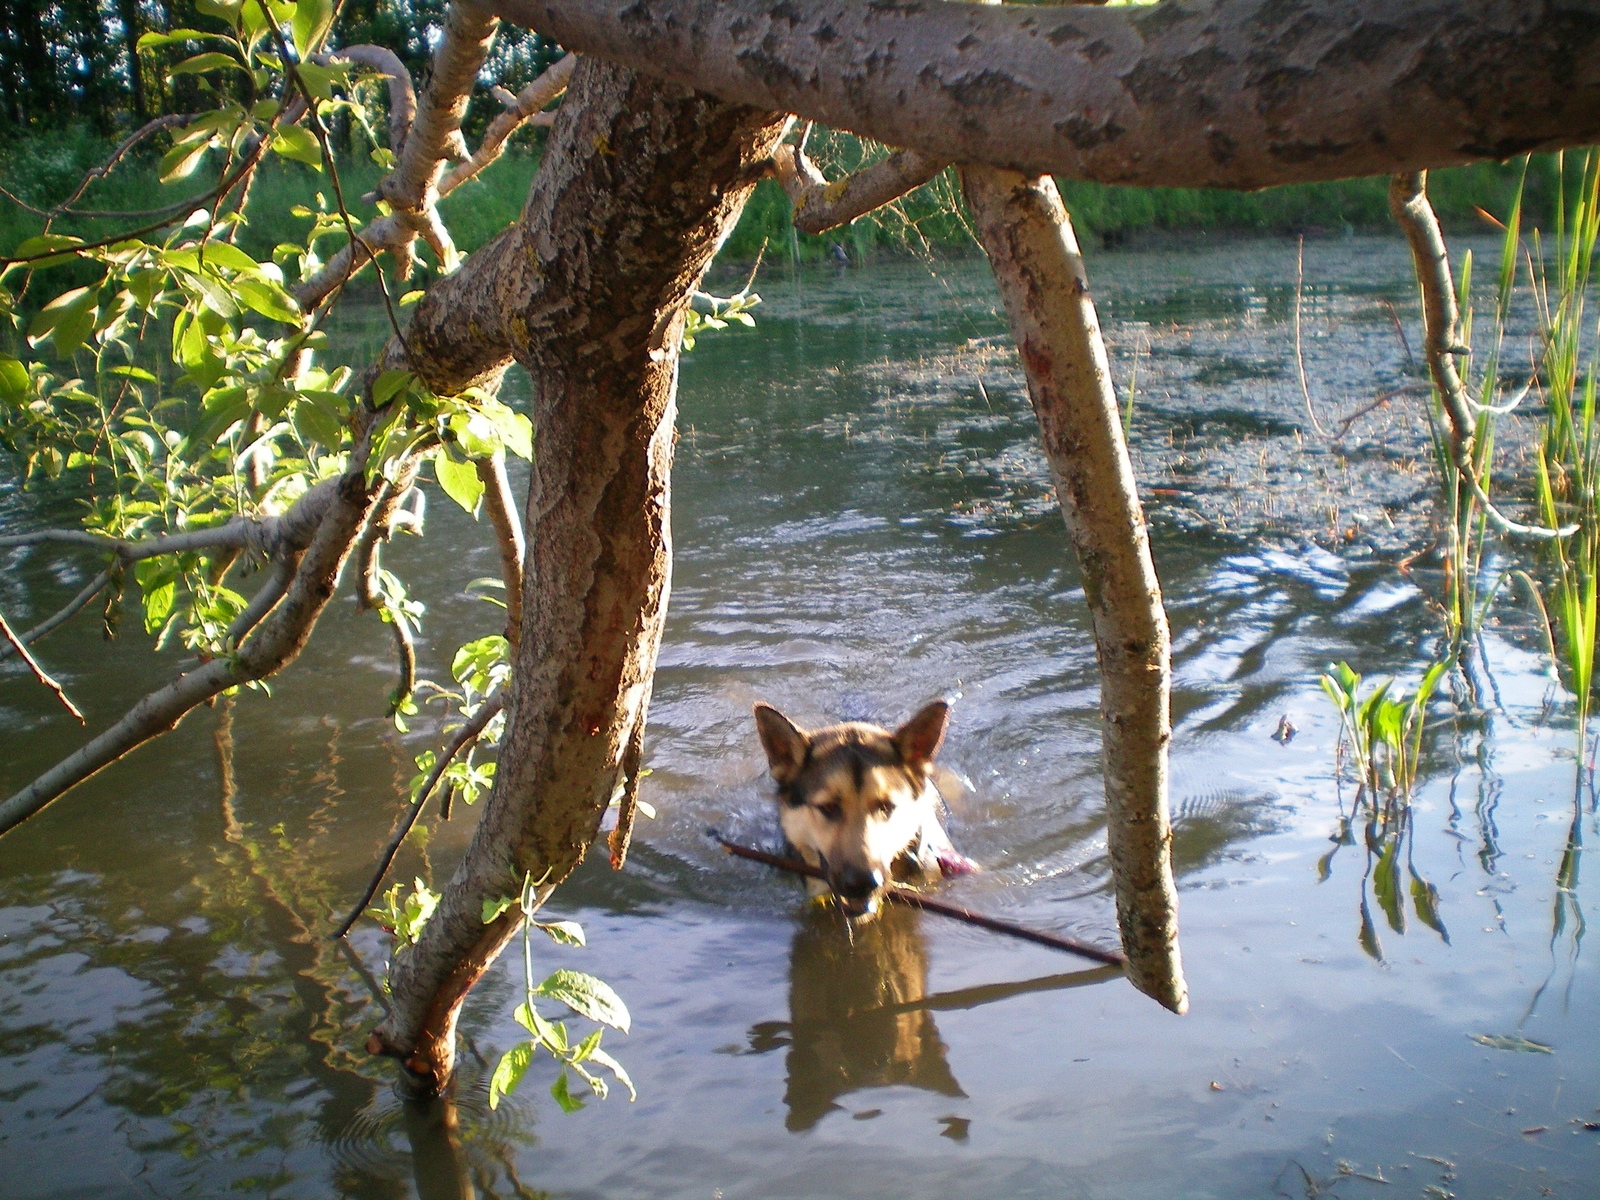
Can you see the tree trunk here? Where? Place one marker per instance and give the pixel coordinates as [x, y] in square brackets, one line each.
[640, 183]
[1185, 93]
[1029, 240]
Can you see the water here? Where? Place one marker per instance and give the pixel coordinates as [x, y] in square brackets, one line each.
[861, 527]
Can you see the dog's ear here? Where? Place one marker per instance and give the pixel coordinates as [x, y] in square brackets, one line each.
[784, 741]
[918, 740]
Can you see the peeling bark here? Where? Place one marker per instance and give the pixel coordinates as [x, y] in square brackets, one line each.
[1029, 240]
[1185, 93]
[640, 183]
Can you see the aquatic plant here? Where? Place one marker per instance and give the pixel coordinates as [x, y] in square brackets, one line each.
[583, 994]
[1383, 729]
[1569, 457]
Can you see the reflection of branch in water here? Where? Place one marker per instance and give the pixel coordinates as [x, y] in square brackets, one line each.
[1565, 903]
[440, 1168]
[987, 993]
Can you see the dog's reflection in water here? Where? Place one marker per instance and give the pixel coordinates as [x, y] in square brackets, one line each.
[856, 1017]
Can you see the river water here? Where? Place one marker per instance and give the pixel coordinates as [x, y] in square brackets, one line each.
[863, 524]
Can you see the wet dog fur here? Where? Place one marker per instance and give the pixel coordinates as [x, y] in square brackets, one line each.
[859, 802]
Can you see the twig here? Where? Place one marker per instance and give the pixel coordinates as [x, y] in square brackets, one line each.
[1441, 320]
[509, 540]
[67, 612]
[916, 899]
[469, 732]
[264, 601]
[1299, 359]
[820, 205]
[39, 672]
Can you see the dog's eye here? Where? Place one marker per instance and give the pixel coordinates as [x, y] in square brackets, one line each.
[831, 810]
[884, 808]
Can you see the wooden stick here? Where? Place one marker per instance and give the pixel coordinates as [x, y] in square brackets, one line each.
[916, 899]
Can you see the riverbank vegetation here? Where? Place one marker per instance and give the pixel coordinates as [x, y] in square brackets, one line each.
[38, 169]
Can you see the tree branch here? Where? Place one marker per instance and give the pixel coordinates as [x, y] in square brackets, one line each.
[468, 733]
[39, 672]
[1441, 342]
[69, 610]
[527, 105]
[1204, 93]
[820, 206]
[463, 49]
[402, 92]
[1037, 265]
[502, 510]
[328, 518]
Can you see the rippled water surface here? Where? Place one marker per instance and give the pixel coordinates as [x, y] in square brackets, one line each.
[862, 524]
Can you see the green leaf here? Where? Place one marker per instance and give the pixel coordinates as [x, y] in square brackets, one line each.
[311, 21]
[605, 1060]
[14, 383]
[587, 996]
[211, 60]
[268, 299]
[158, 604]
[493, 908]
[319, 81]
[298, 144]
[222, 254]
[568, 933]
[387, 385]
[459, 480]
[154, 41]
[508, 1072]
[563, 1094]
[181, 160]
[316, 421]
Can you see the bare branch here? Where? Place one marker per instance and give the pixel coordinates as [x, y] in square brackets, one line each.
[270, 537]
[470, 732]
[820, 206]
[525, 106]
[69, 610]
[263, 602]
[1441, 342]
[502, 510]
[378, 529]
[1205, 93]
[468, 32]
[402, 92]
[627, 803]
[39, 672]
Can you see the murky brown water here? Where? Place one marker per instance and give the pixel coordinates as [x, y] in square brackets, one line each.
[860, 527]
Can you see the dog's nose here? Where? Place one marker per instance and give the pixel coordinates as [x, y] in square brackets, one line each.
[853, 883]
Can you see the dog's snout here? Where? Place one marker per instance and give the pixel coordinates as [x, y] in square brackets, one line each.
[855, 883]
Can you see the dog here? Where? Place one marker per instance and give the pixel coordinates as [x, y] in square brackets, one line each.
[859, 802]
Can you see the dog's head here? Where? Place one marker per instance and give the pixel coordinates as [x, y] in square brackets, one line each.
[853, 796]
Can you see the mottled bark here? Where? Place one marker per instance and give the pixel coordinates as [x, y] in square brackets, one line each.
[1029, 240]
[1185, 93]
[640, 183]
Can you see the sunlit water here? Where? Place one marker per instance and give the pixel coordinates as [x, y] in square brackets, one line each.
[862, 525]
